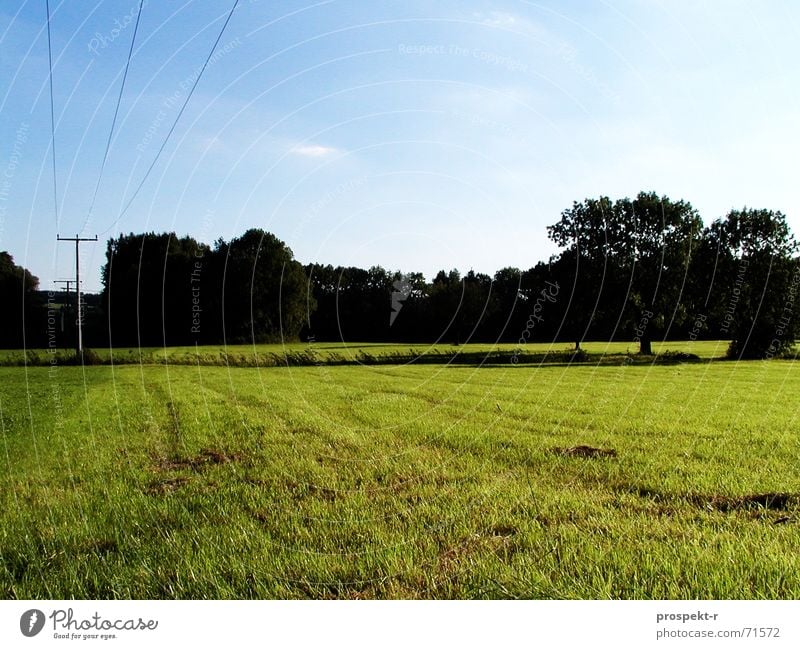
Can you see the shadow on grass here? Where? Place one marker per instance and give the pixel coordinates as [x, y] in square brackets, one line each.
[358, 356]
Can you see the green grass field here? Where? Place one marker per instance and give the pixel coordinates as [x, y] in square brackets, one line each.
[402, 481]
[309, 354]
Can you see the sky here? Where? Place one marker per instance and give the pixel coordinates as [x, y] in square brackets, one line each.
[414, 135]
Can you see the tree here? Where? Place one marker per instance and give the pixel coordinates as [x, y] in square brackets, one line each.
[354, 304]
[758, 284]
[504, 314]
[665, 235]
[446, 294]
[149, 289]
[17, 292]
[631, 257]
[592, 266]
[263, 290]
[583, 280]
[409, 295]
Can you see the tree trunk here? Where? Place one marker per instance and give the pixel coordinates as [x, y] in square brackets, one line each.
[645, 346]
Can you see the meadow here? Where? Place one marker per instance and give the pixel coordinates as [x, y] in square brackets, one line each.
[318, 353]
[598, 480]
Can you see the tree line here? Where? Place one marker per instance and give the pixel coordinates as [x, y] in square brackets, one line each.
[640, 270]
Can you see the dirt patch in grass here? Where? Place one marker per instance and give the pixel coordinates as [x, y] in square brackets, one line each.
[771, 501]
[503, 531]
[783, 520]
[585, 451]
[754, 503]
[498, 540]
[166, 486]
[324, 493]
[204, 459]
[263, 516]
[299, 491]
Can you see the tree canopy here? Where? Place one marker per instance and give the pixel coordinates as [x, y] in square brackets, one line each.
[639, 269]
[17, 289]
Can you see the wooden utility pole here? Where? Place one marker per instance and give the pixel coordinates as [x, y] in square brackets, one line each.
[77, 239]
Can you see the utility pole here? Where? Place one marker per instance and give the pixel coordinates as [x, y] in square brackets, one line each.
[67, 282]
[77, 239]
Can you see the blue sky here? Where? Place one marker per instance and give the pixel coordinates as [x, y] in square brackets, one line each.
[416, 135]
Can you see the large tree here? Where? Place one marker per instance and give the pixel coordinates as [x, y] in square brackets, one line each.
[630, 258]
[262, 288]
[17, 292]
[148, 289]
[757, 285]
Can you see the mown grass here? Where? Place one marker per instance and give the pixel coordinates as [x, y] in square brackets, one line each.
[313, 353]
[399, 481]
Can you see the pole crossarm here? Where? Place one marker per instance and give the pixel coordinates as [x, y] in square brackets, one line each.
[68, 282]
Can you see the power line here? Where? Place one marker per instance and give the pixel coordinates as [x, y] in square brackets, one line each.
[177, 118]
[116, 113]
[52, 113]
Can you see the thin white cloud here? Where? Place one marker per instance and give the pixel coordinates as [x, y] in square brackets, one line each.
[314, 150]
[497, 19]
[513, 23]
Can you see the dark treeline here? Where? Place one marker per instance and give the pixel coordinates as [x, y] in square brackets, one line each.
[641, 270]
[22, 305]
